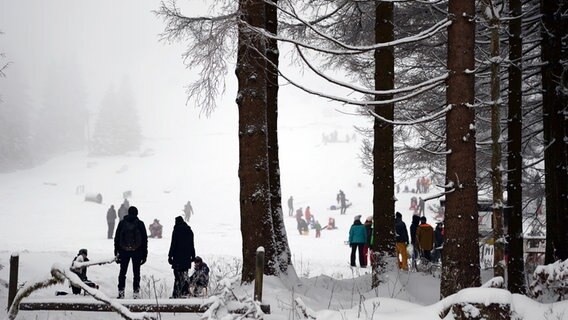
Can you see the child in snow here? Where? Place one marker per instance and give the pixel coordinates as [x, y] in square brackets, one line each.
[81, 271]
[199, 280]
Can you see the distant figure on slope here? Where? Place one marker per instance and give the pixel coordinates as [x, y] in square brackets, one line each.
[155, 229]
[126, 204]
[111, 218]
[81, 271]
[303, 227]
[331, 224]
[199, 280]
[425, 238]
[357, 240]
[317, 226]
[291, 206]
[180, 256]
[401, 241]
[188, 211]
[342, 201]
[130, 243]
[421, 205]
[122, 212]
[308, 215]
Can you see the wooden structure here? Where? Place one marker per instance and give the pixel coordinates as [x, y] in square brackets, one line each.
[194, 305]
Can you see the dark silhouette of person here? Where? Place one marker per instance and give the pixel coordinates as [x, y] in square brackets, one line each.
[130, 243]
[290, 206]
[111, 218]
[180, 256]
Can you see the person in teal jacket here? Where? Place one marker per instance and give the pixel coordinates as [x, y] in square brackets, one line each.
[357, 240]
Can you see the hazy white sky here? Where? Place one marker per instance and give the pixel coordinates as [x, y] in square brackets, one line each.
[106, 41]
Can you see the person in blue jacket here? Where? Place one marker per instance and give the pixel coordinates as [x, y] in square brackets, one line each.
[357, 240]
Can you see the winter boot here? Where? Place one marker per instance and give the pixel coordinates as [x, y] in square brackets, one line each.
[120, 294]
[136, 295]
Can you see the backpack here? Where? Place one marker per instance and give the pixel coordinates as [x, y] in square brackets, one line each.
[130, 237]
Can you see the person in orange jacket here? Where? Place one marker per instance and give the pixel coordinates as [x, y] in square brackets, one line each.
[425, 238]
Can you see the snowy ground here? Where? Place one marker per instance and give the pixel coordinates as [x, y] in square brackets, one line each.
[46, 220]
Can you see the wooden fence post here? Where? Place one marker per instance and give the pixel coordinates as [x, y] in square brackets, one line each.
[259, 272]
[13, 286]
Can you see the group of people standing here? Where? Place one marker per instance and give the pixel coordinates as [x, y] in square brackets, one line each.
[423, 238]
[131, 244]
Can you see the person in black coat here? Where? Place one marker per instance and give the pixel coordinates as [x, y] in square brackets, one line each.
[130, 243]
[413, 227]
[180, 256]
[401, 241]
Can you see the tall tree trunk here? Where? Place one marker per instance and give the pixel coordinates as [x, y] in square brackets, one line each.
[256, 218]
[515, 268]
[461, 247]
[556, 151]
[383, 170]
[496, 174]
[282, 249]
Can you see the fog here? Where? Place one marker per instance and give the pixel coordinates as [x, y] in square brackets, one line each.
[69, 59]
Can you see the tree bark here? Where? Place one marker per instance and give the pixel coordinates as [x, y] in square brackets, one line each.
[256, 218]
[461, 246]
[515, 268]
[383, 154]
[282, 248]
[555, 128]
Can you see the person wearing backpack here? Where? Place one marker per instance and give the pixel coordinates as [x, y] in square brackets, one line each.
[130, 243]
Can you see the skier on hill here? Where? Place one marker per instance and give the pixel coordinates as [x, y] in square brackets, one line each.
[342, 201]
[130, 243]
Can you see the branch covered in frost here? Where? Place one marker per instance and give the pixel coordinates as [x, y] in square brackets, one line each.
[28, 288]
[427, 83]
[79, 265]
[348, 49]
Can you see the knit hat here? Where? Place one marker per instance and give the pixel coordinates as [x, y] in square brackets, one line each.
[133, 211]
[369, 219]
[179, 220]
[357, 217]
[398, 214]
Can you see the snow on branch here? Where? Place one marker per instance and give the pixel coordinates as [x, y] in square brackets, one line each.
[78, 265]
[426, 118]
[348, 49]
[553, 277]
[365, 103]
[437, 80]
